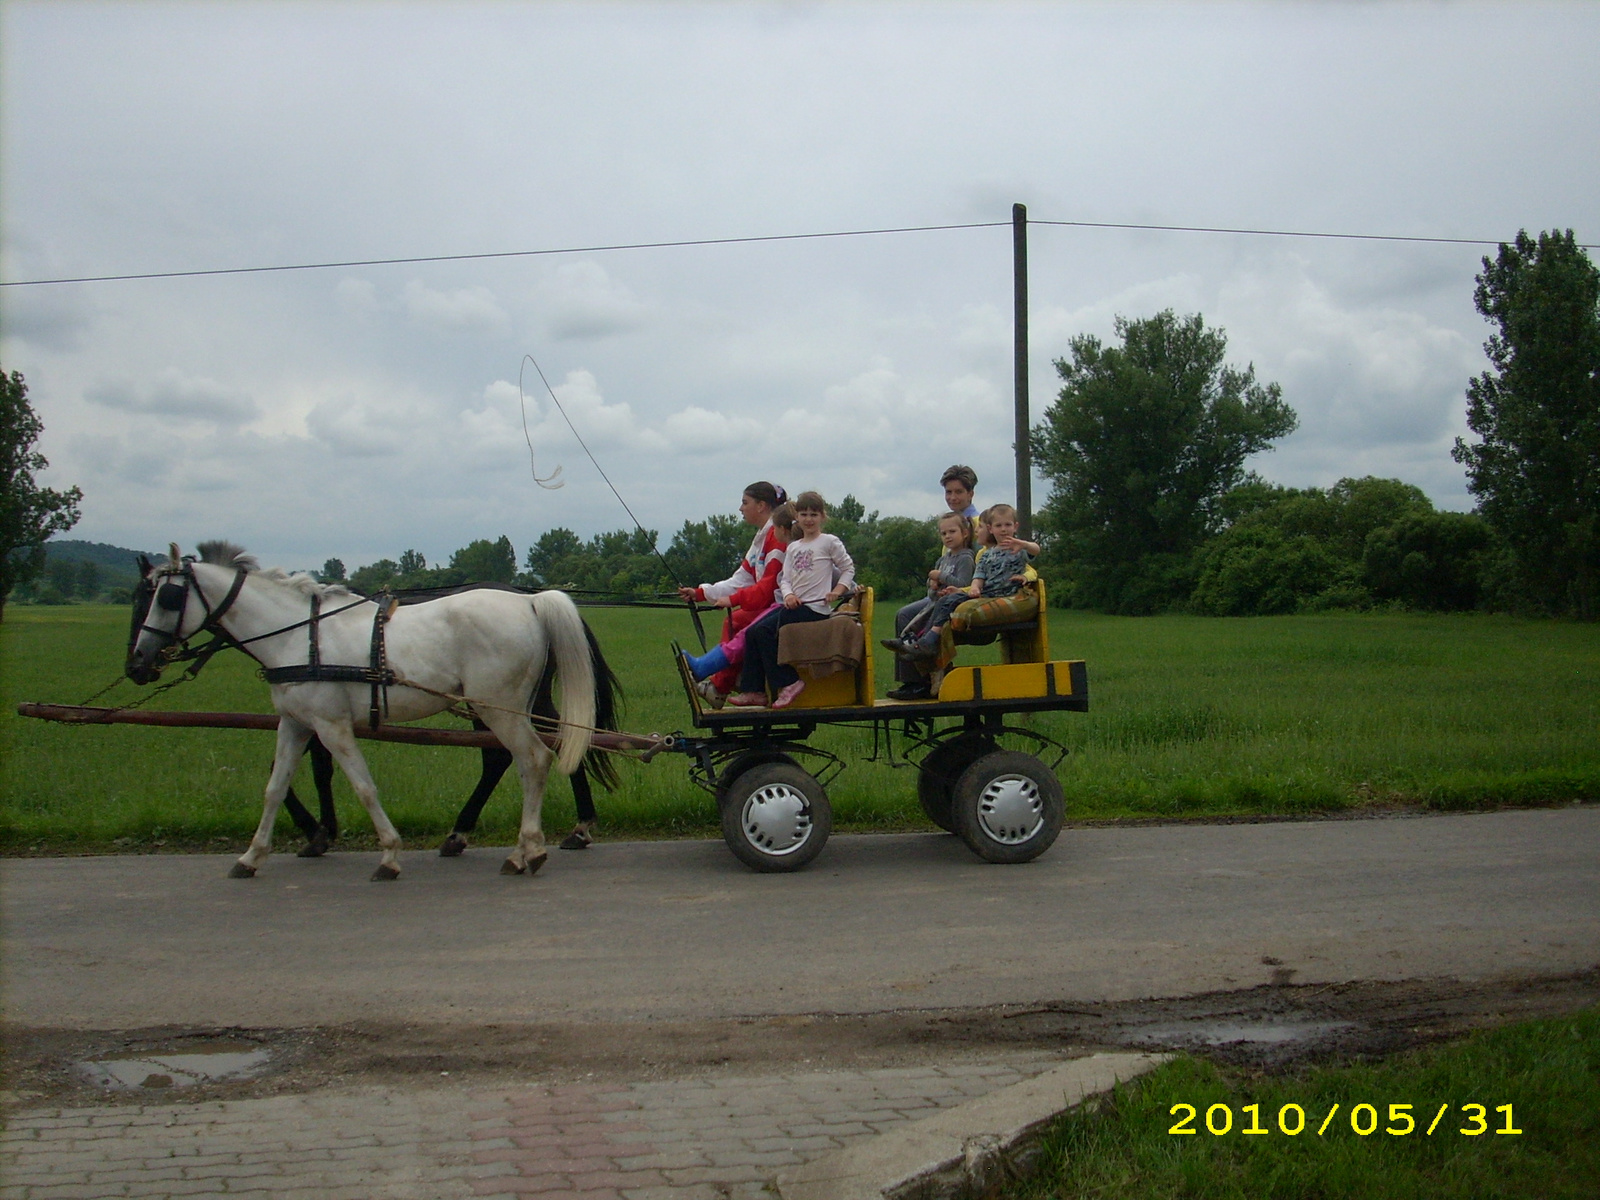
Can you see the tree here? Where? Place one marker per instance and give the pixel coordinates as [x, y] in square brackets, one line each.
[849, 510]
[1359, 542]
[332, 571]
[553, 546]
[484, 561]
[1536, 471]
[29, 514]
[370, 579]
[709, 550]
[1431, 560]
[1142, 443]
[412, 563]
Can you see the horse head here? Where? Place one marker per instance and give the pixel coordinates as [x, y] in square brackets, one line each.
[160, 606]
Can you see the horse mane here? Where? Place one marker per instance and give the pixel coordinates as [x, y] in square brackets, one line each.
[227, 554]
[230, 554]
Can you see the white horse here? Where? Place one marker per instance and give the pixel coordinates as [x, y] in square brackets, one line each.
[487, 646]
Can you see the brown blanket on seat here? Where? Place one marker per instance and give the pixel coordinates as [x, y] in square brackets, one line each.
[822, 647]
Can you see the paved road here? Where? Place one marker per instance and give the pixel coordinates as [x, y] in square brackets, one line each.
[680, 930]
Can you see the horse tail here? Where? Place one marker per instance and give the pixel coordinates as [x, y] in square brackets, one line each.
[607, 707]
[564, 631]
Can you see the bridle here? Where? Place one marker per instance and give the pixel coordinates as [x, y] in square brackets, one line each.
[171, 594]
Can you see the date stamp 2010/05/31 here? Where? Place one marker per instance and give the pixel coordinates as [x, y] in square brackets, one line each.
[1364, 1120]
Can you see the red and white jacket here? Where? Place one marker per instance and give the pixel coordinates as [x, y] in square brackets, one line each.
[753, 584]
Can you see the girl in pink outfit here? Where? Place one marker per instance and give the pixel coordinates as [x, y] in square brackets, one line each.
[748, 592]
[723, 660]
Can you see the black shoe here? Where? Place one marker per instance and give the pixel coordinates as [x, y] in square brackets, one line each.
[894, 644]
[912, 691]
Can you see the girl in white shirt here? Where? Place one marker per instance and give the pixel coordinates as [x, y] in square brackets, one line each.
[817, 569]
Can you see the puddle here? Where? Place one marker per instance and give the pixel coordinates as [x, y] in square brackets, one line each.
[177, 1070]
[1223, 1033]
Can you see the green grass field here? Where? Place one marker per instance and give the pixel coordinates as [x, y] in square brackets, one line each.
[1190, 717]
[1420, 1139]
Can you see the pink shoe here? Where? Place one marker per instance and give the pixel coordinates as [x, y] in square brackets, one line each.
[787, 695]
[748, 699]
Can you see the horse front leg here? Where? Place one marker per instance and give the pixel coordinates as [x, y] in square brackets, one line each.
[533, 759]
[292, 739]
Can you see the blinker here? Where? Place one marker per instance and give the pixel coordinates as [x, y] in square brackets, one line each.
[171, 596]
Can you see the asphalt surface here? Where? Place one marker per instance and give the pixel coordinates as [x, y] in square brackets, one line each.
[674, 930]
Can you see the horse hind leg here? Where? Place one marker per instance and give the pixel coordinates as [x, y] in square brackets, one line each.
[320, 833]
[533, 759]
[582, 835]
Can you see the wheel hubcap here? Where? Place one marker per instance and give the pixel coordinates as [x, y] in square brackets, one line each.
[1011, 810]
[776, 819]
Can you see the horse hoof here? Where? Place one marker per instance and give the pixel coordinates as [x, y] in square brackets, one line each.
[385, 873]
[535, 863]
[576, 840]
[240, 871]
[509, 867]
[453, 846]
[316, 847]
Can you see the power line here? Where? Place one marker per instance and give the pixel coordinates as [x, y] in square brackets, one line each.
[433, 258]
[1289, 233]
[775, 237]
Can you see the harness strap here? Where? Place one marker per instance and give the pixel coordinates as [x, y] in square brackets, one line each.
[213, 615]
[377, 674]
[380, 663]
[313, 632]
[327, 673]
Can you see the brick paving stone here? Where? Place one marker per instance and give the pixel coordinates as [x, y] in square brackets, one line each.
[717, 1138]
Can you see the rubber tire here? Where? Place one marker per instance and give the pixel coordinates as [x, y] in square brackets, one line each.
[938, 771]
[1023, 781]
[743, 763]
[787, 781]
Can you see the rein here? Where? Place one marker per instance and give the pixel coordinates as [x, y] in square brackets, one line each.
[177, 649]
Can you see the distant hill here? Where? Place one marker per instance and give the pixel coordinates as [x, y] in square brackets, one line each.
[116, 561]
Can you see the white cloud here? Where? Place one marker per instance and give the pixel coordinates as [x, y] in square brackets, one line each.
[357, 297]
[464, 310]
[355, 428]
[175, 397]
[1362, 378]
[580, 301]
[699, 431]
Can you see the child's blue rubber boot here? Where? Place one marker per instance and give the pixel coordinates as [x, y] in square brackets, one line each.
[708, 664]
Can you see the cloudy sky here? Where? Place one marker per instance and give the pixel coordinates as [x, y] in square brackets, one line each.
[359, 411]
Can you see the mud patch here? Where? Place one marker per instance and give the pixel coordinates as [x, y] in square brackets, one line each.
[1272, 1027]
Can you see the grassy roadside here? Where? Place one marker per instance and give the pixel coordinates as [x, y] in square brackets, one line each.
[1548, 1072]
[1190, 717]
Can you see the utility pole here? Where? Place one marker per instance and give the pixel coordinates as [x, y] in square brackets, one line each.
[1019, 275]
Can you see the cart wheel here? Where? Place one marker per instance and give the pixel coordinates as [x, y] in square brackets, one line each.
[938, 771]
[743, 763]
[775, 817]
[1008, 807]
